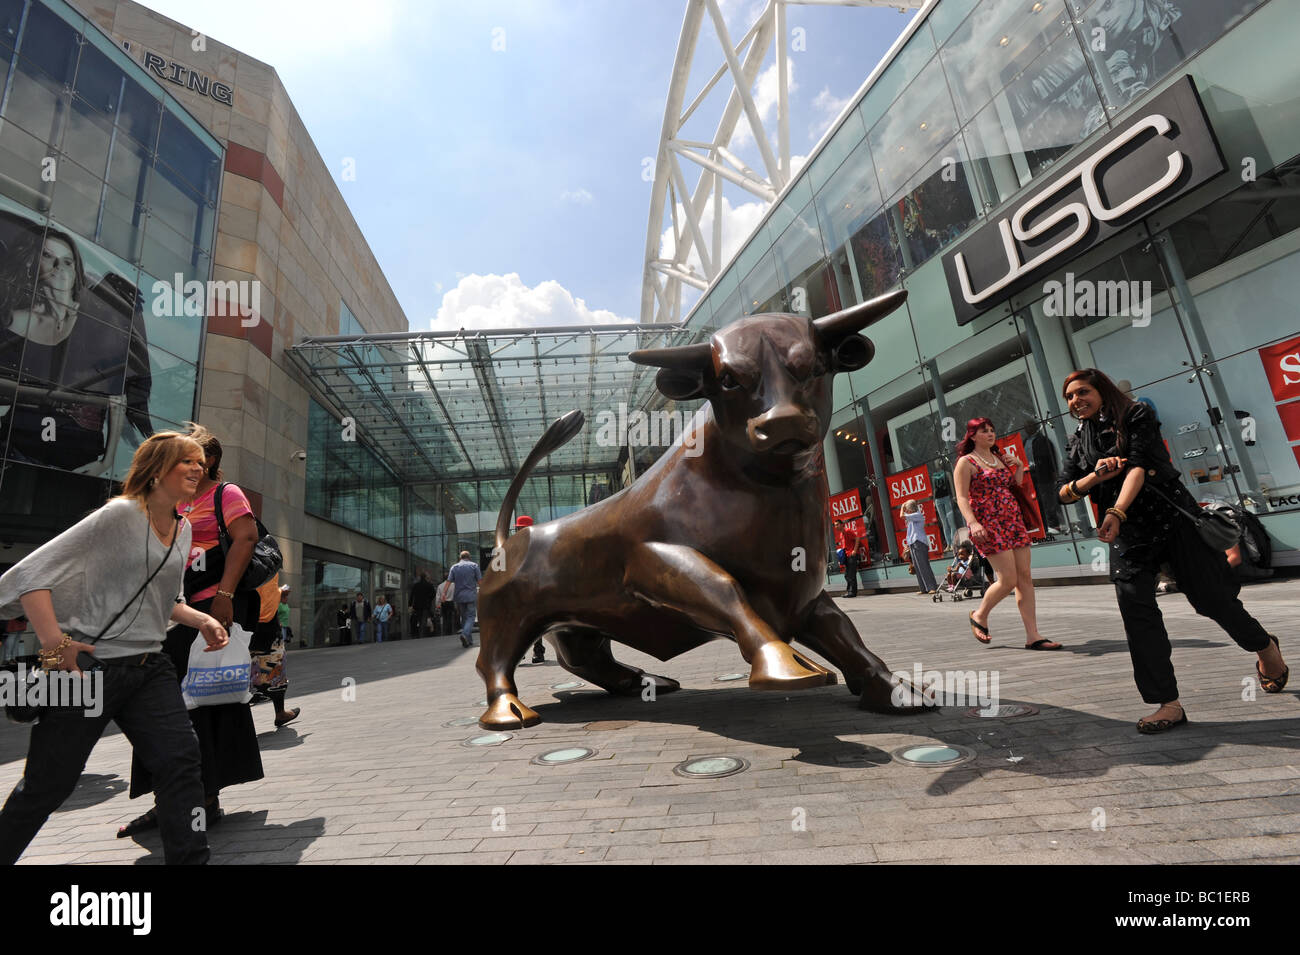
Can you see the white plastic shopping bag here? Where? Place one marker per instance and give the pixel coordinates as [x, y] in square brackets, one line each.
[221, 676]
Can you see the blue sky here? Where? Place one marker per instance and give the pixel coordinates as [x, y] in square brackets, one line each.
[498, 146]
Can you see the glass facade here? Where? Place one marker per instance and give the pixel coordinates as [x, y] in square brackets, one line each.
[108, 194]
[982, 99]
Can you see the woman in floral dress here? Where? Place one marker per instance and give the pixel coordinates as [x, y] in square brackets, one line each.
[983, 479]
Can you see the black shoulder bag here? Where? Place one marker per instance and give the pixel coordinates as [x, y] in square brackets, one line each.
[1218, 530]
[266, 560]
[29, 713]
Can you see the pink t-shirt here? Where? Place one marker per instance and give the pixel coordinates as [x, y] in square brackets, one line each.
[203, 518]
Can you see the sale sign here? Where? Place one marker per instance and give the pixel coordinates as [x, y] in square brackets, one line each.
[846, 506]
[934, 538]
[912, 483]
[1282, 366]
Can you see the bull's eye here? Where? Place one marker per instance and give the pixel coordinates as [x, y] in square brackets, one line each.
[728, 381]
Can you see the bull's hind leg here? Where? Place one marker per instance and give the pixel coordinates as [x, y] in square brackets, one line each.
[500, 650]
[585, 652]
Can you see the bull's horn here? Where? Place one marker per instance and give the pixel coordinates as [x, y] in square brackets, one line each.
[683, 357]
[857, 317]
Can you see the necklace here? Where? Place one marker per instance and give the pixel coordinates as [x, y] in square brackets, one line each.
[982, 461]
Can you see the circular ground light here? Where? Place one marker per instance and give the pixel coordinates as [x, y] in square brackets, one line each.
[730, 677]
[487, 739]
[558, 757]
[1006, 711]
[929, 755]
[570, 685]
[463, 721]
[711, 767]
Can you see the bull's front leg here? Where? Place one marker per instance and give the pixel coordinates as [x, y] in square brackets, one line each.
[683, 579]
[829, 631]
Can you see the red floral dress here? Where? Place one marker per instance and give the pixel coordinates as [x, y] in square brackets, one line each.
[995, 507]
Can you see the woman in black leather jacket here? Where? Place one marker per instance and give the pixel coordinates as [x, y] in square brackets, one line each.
[1119, 438]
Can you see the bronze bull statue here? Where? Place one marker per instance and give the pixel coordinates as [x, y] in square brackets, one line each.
[724, 536]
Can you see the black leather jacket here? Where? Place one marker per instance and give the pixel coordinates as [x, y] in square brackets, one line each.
[1097, 438]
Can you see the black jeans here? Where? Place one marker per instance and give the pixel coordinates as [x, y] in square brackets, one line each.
[144, 699]
[1204, 577]
[850, 576]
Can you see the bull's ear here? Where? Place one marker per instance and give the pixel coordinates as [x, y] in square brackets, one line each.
[857, 317]
[852, 353]
[680, 385]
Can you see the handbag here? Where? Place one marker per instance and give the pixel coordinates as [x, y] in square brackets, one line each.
[1218, 530]
[1028, 513]
[266, 560]
[29, 713]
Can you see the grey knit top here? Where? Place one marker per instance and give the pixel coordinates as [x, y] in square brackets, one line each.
[93, 568]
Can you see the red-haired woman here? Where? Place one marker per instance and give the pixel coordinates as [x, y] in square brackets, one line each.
[1120, 437]
[982, 479]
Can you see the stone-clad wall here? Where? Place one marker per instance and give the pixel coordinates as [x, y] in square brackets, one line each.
[283, 222]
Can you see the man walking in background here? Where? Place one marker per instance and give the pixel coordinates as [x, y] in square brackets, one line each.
[421, 601]
[466, 575]
[446, 609]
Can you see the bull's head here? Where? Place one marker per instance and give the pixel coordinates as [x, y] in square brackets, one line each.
[768, 377]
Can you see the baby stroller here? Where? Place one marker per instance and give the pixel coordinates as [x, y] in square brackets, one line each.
[961, 580]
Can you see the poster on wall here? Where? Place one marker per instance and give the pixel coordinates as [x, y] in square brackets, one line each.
[76, 376]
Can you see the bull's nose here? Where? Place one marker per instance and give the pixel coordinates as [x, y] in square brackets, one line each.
[785, 434]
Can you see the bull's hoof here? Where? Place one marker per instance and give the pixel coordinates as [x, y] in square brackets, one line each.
[776, 667]
[506, 712]
[881, 695]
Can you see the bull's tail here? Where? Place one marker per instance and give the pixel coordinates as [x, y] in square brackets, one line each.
[557, 435]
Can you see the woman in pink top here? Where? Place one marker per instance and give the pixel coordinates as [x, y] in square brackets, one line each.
[227, 736]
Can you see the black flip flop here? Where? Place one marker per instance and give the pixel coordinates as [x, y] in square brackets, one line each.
[988, 637]
[1038, 644]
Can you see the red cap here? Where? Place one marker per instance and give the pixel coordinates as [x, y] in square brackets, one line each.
[523, 520]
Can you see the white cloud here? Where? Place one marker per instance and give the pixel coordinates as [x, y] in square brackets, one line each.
[738, 224]
[766, 93]
[504, 301]
[580, 196]
[827, 107]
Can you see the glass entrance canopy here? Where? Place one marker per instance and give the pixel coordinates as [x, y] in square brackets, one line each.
[470, 404]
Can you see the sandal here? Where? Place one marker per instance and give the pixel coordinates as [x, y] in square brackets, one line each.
[1273, 684]
[139, 824]
[1162, 726]
[1040, 645]
[975, 625]
[289, 717]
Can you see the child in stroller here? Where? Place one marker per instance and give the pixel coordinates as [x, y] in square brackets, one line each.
[962, 577]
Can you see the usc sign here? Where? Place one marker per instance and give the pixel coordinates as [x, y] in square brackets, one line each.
[1165, 151]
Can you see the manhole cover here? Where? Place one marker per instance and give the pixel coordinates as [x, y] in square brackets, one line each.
[1005, 712]
[570, 685]
[488, 739]
[710, 767]
[463, 721]
[931, 754]
[610, 725]
[730, 677]
[557, 757]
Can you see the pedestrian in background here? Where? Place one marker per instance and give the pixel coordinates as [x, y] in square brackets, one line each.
[918, 544]
[466, 575]
[422, 599]
[846, 539]
[383, 610]
[358, 616]
[446, 608]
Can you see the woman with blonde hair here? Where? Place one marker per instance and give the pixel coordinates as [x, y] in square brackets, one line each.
[99, 597]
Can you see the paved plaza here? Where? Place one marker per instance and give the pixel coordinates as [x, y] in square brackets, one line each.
[372, 773]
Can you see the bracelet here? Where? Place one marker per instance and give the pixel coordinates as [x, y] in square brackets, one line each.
[1117, 512]
[1075, 493]
[52, 659]
[226, 594]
